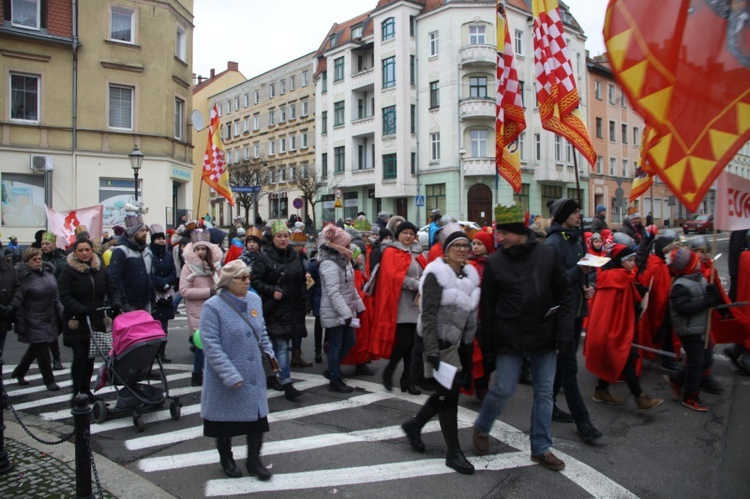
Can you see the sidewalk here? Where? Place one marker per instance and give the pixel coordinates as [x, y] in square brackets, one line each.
[42, 471]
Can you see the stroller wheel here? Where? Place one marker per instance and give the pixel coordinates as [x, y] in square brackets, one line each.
[138, 422]
[99, 411]
[174, 410]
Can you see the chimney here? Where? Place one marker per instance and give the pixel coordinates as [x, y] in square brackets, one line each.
[233, 66]
[213, 73]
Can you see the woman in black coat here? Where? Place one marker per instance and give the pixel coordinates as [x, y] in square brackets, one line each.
[84, 286]
[10, 300]
[165, 279]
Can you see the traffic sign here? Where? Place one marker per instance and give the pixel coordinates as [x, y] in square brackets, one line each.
[246, 188]
[338, 193]
[419, 200]
[298, 203]
[338, 204]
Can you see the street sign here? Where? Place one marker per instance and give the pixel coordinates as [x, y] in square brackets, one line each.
[419, 200]
[246, 188]
[338, 204]
[297, 203]
[338, 193]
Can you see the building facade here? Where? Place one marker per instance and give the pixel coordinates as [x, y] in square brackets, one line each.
[82, 84]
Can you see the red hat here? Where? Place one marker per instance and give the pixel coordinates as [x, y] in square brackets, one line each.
[486, 239]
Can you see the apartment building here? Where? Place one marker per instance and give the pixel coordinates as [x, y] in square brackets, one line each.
[82, 84]
[268, 128]
[406, 112]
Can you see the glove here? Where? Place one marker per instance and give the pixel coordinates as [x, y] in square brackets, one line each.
[116, 310]
[434, 359]
[348, 322]
[466, 379]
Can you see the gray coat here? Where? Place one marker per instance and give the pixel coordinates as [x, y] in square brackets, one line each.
[339, 299]
[232, 355]
[40, 316]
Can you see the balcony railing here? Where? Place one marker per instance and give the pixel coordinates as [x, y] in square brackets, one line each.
[477, 108]
[479, 55]
[363, 79]
[363, 126]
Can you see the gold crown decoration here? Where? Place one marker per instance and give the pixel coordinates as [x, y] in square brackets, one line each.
[133, 220]
[298, 237]
[278, 226]
[509, 214]
[49, 237]
[200, 236]
[254, 232]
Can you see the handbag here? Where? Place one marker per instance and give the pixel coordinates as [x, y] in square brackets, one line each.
[100, 344]
[270, 364]
[449, 355]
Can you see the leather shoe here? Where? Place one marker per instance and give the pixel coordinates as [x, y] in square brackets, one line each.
[363, 370]
[57, 365]
[21, 380]
[480, 442]
[588, 432]
[338, 385]
[53, 387]
[561, 416]
[413, 433]
[457, 461]
[273, 383]
[549, 461]
[230, 468]
[290, 392]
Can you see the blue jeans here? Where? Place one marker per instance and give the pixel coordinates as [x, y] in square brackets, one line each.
[198, 361]
[281, 351]
[503, 384]
[340, 341]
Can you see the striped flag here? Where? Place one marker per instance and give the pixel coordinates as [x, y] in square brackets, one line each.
[215, 171]
[556, 84]
[509, 116]
[644, 175]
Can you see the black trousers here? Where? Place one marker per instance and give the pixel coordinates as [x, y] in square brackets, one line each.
[402, 348]
[40, 352]
[82, 368]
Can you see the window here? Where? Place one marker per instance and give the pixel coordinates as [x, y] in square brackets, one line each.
[412, 70]
[293, 143]
[599, 161]
[278, 206]
[282, 145]
[228, 108]
[271, 176]
[477, 34]
[625, 172]
[282, 114]
[478, 87]
[25, 13]
[304, 108]
[121, 25]
[271, 147]
[121, 107]
[338, 113]
[434, 43]
[256, 97]
[624, 133]
[179, 118]
[357, 31]
[324, 122]
[246, 100]
[256, 122]
[479, 143]
[598, 89]
[389, 72]
[388, 27]
[523, 197]
[390, 170]
[338, 69]
[389, 120]
[611, 92]
[412, 25]
[550, 193]
[435, 197]
[271, 117]
[568, 152]
[612, 136]
[434, 94]
[303, 140]
[24, 97]
[246, 125]
[272, 92]
[180, 44]
[282, 85]
[623, 100]
[558, 149]
[324, 81]
[519, 42]
[522, 93]
[537, 147]
[599, 128]
[292, 111]
[636, 136]
[612, 166]
[292, 173]
[292, 83]
[339, 157]
[435, 146]
[413, 163]
[236, 103]
[522, 146]
[324, 165]
[305, 78]
[256, 151]
[247, 153]
[413, 118]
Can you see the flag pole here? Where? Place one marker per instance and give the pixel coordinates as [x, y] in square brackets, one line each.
[580, 199]
[711, 280]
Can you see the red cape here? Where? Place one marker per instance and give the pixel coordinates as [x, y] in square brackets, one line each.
[658, 298]
[435, 252]
[743, 291]
[735, 326]
[393, 267]
[611, 327]
[360, 352]
[233, 253]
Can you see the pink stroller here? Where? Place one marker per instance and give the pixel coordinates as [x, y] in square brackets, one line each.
[136, 338]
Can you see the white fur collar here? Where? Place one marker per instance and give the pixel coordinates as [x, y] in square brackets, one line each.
[462, 293]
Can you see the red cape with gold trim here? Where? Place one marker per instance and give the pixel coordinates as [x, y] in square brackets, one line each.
[658, 299]
[611, 327]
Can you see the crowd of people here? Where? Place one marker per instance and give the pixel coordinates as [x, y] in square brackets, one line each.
[499, 306]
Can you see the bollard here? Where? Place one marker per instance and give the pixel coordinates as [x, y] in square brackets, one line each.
[5, 464]
[81, 417]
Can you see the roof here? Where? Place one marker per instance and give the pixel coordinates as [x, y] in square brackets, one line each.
[231, 66]
[342, 34]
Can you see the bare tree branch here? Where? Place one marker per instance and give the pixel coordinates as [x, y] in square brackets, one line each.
[250, 172]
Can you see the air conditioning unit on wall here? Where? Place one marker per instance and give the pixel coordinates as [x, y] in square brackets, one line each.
[41, 163]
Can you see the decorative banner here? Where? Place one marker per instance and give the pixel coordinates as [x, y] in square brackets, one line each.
[685, 67]
[509, 116]
[644, 177]
[556, 84]
[64, 223]
[215, 171]
[732, 202]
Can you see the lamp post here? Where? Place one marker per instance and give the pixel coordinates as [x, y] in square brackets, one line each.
[461, 154]
[136, 161]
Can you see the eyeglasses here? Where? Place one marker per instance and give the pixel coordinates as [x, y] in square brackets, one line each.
[461, 247]
[408, 233]
[245, 278]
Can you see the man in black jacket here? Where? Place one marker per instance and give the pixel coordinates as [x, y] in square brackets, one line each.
[131, 266]
[526, 311]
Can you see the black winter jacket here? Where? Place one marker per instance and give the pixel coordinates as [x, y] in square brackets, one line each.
[10, 295]
[520, 285]
[132, 271]
[567, 243]
[274, 269]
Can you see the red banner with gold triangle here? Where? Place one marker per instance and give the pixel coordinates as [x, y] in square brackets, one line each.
[685, 67]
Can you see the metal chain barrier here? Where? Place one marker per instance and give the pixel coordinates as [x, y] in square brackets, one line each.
[100, 492]
[63, 439]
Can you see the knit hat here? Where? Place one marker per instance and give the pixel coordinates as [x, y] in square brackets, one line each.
[394, 222]
[118, 230]
[446, 219]
[384, 215]
[133, 223]
[404, 226]
[510, 218]
[562, 208]
[337, 239]
[600, 209]
[485, 238]
[662, 244]
[700, 243]
[200, 236]
[50, 237]
[682, 261]
[230, 271]
[596, 235]
[156, 231]
[450, 234]
[618, 253]
[278, 226]
[622, 238]
[254, 233]
[241, 232]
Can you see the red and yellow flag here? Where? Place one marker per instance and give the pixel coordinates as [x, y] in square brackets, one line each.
[685, 67]
[215, 171]
[644, 175]
[509, 116]
[556, 84]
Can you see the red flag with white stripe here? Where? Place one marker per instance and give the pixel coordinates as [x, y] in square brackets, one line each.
[64, 223]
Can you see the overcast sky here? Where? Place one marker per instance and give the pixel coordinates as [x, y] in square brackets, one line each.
[261, 34]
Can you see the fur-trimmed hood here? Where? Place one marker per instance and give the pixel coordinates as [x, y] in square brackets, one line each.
[79, 266]
[192, 258]
[460, 292]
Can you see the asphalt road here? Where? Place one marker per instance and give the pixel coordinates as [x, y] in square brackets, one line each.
[351, 445]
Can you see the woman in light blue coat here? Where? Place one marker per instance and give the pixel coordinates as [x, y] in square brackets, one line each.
[233, 401]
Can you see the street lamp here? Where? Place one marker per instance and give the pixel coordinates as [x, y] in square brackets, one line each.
[136, 160]
[461, 154]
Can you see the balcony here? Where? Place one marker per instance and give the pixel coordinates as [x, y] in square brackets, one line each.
[479, 166]
[363, 126]
[477, 108]
[477, 55]
[363, 80]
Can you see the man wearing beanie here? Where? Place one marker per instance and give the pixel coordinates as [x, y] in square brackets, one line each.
[599, 223]
[564, 236]
[522, 317]
[131, 266]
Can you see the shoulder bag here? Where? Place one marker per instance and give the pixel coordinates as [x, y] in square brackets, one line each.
[270, 365]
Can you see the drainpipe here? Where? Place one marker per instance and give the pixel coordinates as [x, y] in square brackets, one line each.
[74, 118]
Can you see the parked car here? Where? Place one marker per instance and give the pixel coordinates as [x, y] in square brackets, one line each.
[424, 234]
[700, 224]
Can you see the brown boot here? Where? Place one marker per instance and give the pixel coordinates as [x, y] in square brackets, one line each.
[645, 402]
[298, 360]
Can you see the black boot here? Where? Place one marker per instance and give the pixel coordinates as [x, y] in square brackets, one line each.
[454, 458]
[163, 354]
[224, 445]
[196, 379]
[413, 427]
[290, 392]
[254, 465]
